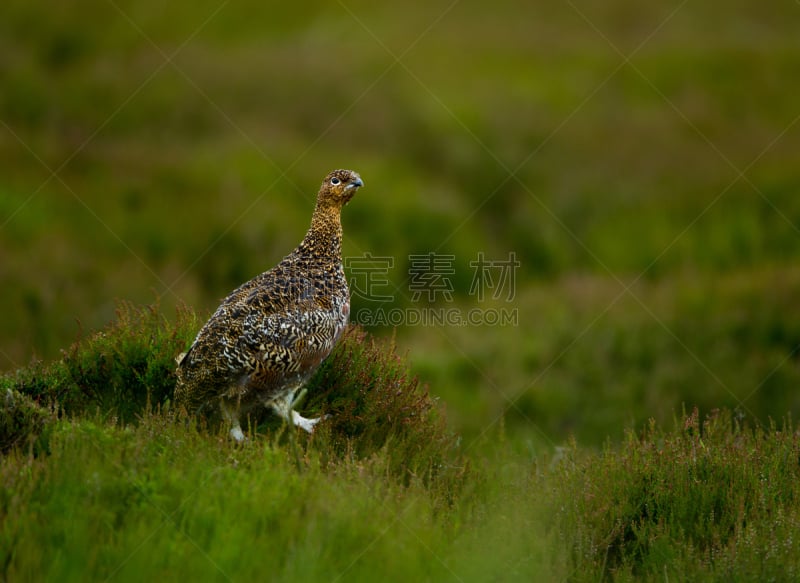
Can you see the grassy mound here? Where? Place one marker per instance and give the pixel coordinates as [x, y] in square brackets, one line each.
[128, 370]
[98, 473]
[118, 372]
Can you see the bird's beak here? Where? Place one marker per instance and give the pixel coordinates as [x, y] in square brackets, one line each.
[357, 183]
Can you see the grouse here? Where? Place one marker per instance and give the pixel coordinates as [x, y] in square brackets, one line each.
[267, 338]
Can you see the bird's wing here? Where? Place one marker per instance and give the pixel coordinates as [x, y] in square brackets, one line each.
[294, 339]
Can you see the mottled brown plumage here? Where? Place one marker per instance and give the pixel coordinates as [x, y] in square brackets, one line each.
[269, 335]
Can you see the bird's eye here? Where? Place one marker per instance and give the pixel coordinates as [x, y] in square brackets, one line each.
[335, 181]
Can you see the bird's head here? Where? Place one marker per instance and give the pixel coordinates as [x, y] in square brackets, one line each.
[339, 187]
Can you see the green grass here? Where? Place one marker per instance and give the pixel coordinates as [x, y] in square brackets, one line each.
[158, 500]
[708, 500]
[92, 490]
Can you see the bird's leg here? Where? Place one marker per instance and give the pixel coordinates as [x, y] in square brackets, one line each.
[230, 413]
[303, 422]
[285, 408]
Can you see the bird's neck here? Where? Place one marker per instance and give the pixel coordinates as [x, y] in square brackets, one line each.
[324, 238]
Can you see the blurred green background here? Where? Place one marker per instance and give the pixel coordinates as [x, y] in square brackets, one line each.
[639, 159]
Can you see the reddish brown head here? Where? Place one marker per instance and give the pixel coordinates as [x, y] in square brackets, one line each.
[338, 188]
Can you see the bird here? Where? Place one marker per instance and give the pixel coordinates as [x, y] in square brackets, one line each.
[268, 336]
